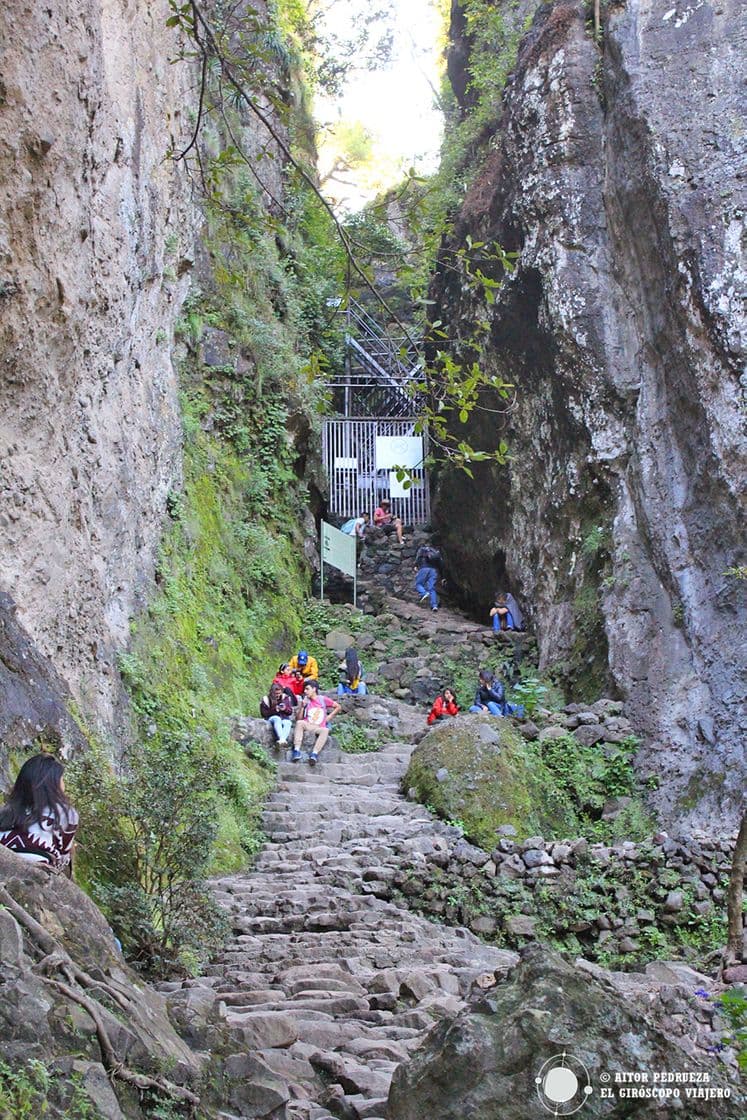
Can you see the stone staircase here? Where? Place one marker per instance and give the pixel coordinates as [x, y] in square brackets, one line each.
[323, 984]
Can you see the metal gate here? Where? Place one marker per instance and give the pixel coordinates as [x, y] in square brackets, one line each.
[359, 456]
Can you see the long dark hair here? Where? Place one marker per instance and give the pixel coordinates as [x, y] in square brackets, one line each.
[37, 793]
[352, 664]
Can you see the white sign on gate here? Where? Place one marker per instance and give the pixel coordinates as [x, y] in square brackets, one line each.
[399, 451]
[403, 488]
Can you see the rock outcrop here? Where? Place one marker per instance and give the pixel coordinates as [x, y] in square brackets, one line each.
[614, 175]
[32, 695]
[550, 1039]
[95, 253]
[64, 983]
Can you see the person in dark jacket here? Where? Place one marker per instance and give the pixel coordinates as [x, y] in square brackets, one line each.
[277, 708]
[428, 564]
[444, 705]
[490, 695]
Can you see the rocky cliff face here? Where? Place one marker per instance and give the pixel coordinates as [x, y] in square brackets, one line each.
[95, 250]
[614, 175]
[69, 1001]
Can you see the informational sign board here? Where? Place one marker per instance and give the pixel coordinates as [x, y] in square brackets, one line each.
[339, 550]
[399, 451]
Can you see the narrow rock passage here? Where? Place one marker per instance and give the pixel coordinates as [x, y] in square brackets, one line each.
[329, 986]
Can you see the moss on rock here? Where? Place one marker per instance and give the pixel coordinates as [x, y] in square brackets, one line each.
[478, 770]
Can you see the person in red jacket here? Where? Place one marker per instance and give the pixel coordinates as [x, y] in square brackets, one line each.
[290, 680]
[444, 705]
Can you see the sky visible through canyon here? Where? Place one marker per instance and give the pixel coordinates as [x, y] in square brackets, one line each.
[396, 104]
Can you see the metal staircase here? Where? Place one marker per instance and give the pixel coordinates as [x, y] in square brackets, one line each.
[381, 369]
[376, 429]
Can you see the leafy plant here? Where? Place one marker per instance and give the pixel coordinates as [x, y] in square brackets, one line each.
[530, 692]
[30, 1091]
[147, 839]
[352, 738]
[733, 1006]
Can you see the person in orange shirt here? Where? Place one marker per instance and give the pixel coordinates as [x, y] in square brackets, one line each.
[306, 664]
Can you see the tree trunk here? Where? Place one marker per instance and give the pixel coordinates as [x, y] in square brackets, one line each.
[734, 897]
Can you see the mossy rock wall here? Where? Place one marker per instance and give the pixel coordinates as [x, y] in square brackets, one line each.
[478, 771]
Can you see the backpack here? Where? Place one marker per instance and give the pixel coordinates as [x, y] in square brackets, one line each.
[430, 555]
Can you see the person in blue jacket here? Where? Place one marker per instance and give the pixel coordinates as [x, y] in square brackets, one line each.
[490, 695]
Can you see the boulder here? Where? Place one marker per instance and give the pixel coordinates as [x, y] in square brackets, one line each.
[589, 734]
[254, 729]
[494, 779]
[495, 1058]
[339, 640]
[520, 925]
[38, 1021]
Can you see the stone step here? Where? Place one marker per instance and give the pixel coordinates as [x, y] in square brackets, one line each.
[324, 978]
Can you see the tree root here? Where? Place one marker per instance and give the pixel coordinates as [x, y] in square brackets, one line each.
[56, 959]
[111, 1062]
[56, 956]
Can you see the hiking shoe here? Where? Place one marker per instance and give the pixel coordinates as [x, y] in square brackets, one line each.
[434, 608]
[313, 759]
[424, 597]
[295, 755]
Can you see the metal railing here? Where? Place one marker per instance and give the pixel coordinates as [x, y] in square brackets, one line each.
[381, 370]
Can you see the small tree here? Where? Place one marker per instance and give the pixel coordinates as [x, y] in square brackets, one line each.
[735, 934]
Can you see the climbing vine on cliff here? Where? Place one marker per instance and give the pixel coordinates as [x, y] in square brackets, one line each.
[233, 79]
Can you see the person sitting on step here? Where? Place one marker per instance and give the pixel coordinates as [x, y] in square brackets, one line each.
[351, 675]
[427, 564]
[314, 716]
[356, 527]
[385, 519]
[490, 695]
[289, 681]
[277, 709]
[444, 705]
[307, 665]
[501, 614]
[37, 821]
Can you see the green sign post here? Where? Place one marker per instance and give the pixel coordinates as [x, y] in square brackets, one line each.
[339, 550]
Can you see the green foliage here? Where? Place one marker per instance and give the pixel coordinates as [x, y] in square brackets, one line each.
[30, 1091]
[529, 692]
[353, 739]
[733, 1006]
[147, 837]
[595, 541]
[590, 776]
